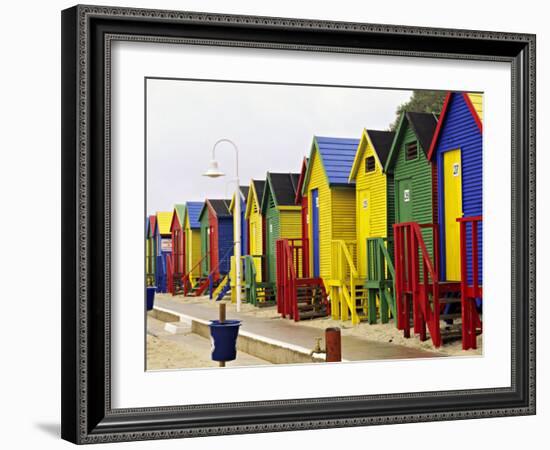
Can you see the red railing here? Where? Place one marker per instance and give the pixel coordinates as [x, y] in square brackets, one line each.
[415, 280]
[291, 275]
[470, 292]
[187, 277]
[287, 266]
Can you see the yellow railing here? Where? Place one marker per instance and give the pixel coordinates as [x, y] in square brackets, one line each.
[220, 286]
[344, 279]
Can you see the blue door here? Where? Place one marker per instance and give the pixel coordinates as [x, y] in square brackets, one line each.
[315, 230]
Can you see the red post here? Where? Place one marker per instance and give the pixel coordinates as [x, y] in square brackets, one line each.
[333, 342]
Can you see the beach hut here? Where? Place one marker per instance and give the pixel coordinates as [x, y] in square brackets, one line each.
[331, 212]
[243, 193]
[192, 227]
[331, 199]
[163, 242]
[256, 225]
[375, 216]
[150, 251]
[282, 215]
[244, 225]
[456, 150]
[178, 249]
[414, 178]
[217, 231]
[373, 191]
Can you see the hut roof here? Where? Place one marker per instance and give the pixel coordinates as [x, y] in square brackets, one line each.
[164, 219]
[301, 180]
[283, 188]
[473, 110]
[151, 222]
[337, 155]
[381, 141]
[193, 211]
[244, 196]
[179, 209]
[259, 186]
[424, 125]
[220, 207]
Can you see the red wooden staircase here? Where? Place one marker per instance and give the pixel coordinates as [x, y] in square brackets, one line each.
[195, 286]
[298, 297]
[420, 291]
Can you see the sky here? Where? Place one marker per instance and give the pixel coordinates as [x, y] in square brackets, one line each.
[272, 126]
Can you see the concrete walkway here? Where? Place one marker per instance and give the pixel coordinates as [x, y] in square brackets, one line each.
[293, 333]
[187, 340]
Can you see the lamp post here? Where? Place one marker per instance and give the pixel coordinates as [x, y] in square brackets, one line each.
[214, 172]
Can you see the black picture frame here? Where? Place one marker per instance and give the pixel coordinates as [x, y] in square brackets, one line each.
[87, 416]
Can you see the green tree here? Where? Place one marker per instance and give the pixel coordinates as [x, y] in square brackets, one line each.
[421, 101]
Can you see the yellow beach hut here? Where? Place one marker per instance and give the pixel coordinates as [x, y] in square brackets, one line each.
[255, 221]
[375, 216]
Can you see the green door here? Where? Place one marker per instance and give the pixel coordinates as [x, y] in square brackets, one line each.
[272, 234]
[404, 201]
[205, 250]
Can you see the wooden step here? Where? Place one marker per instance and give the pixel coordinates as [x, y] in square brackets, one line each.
[312, 315]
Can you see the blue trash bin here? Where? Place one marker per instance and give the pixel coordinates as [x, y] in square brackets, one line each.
[224, 339]
[150, 297]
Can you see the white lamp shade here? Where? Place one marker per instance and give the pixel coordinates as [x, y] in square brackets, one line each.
[213, 170]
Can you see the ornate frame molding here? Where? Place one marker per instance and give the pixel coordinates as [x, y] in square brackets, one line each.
[85, 422]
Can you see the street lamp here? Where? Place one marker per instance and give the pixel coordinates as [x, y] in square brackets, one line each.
[214, 172]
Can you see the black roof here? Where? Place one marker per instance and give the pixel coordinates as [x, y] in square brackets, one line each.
[382, 141]
[221, 207]
[244, 191]
[259, 186]
[284, 187]
[424, 125]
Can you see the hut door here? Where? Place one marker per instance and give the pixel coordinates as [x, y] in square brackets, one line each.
[452, 191]
[206, 250]
[364, 210]
[315, 230]
[404, 201]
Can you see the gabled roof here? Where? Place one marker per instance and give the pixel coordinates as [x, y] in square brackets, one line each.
[448, 98]
[177, 213]
[337, 156]
[301, 181]
[244, 196]
[257, 191]
[423, 126]
[380, 142]
[219, 206]
[151, 222]
[193, 210]
[282, 187]
[164, 219]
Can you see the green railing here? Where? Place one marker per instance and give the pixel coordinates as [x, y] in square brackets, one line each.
[381, 275]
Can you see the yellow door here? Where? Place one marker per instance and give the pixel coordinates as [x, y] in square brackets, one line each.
[256, 242]
[452, 185]
[363, 213]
